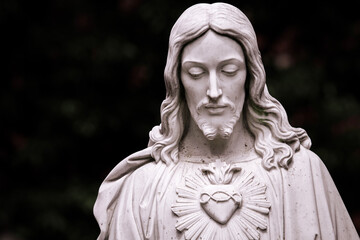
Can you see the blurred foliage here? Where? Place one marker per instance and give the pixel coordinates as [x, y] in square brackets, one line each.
[82, 86]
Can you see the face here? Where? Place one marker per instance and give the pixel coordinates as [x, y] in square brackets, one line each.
[213, 73]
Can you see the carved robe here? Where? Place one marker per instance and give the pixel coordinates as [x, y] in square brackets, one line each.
[142, 199]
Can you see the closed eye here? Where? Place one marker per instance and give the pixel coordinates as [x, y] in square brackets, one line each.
[230, 69]
[196, 72]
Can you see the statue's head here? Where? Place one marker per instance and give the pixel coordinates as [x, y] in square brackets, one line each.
[275, 140]
[213, 75]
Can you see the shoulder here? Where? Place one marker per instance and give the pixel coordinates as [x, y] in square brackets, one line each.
[144, 175]
[130, 164]
[306, 158]
[145, 171]
[307, 165]
[305, 153]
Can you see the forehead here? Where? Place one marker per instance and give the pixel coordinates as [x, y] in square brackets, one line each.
[212, 46]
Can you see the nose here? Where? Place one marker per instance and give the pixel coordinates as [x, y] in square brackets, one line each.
[214, 92]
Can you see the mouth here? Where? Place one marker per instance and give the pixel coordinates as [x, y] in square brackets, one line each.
[215, 108]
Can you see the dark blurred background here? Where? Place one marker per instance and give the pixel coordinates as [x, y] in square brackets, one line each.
[82, 84]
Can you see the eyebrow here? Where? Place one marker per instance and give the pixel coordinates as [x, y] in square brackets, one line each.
[197, 62]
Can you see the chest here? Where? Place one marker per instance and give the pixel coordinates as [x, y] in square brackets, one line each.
[216, 201]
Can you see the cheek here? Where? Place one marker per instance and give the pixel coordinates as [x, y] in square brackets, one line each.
[193, 98]
[191, 95]
[194, 91]
[237, 92]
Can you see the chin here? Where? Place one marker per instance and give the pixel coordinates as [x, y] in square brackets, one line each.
[221, 130]
[211, 133]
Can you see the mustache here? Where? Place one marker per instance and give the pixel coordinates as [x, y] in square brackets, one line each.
[222, 102]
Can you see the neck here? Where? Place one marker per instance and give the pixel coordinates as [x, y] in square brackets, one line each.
[195, 146]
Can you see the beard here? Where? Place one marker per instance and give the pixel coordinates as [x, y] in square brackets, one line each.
[212, 129]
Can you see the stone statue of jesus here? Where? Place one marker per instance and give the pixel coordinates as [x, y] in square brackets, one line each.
[224, 163]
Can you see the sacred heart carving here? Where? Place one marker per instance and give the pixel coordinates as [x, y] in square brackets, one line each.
[220, 202]
[217, 195]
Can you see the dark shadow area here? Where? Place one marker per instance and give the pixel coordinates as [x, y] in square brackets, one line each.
[82, 84]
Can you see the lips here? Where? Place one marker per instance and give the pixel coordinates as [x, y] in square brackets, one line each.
[215, 108]
[214, 105]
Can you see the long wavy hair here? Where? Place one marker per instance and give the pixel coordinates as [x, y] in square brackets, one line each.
[276, 140]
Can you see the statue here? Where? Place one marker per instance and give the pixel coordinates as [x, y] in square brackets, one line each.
[224, 163]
